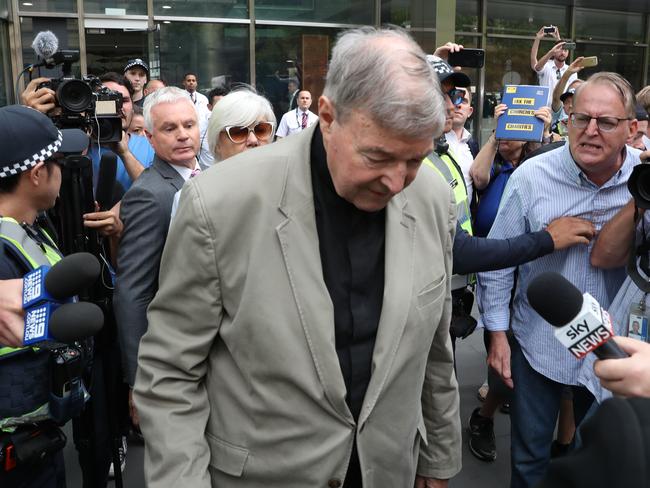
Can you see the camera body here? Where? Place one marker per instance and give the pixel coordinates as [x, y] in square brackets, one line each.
[87, 105]
[549, 30]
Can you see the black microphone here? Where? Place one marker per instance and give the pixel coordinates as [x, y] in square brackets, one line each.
[73, 321]
[106, 180]
[46, 289]
[582, 326]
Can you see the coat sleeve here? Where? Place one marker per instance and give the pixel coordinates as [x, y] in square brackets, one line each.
[440, 456]
[477, 254]
[138, 260]
[184, 317]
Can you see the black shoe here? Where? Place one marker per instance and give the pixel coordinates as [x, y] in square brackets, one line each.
[559, 450]
[481, 437]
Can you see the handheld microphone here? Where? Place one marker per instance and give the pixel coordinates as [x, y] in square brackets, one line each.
[45, 290]
[45, 44]
[582, 326]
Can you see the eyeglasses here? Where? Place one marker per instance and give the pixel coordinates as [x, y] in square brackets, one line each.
[456, 96]
[605, 124]
[239, 134]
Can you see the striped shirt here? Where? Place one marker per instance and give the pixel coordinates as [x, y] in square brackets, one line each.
[547, 187]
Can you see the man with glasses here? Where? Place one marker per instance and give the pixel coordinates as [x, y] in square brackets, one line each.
[552, 65]
[586, 178]
[171, 126]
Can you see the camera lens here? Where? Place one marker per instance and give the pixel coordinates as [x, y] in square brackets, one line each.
[75, 95]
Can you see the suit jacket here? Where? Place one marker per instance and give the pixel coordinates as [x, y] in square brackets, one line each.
[145, 213]
[239, 384]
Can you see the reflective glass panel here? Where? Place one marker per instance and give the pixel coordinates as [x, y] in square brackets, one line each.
[66, 31]
[217, 53]
[229, 9]
[116, 7]
[626, 60]
[467, 15]
[335, 11]
[111, 49]
[65, 6]
[291, 58]
[513, 17]
[591, 24]
[5, 68]
[409, 13]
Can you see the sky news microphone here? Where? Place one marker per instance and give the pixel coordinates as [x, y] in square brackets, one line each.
[48, 294]
[582, 326]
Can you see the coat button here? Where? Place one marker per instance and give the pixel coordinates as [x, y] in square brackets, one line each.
[334, 483]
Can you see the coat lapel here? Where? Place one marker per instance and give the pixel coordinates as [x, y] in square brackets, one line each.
[168, 173]
[298, 237]
[398, 288]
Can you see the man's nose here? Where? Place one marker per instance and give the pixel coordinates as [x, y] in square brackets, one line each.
[252, 140]
[395, 178]
[592, 127]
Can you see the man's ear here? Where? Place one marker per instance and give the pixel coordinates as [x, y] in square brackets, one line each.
[147, 134]
[38, 174]
[326, 114]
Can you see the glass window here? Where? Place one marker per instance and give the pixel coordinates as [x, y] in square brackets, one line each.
[467, 15]
[116, 7]
[289, 58]
[335, 11]
[626, 60]
[65, 6]
[217, 53]
[5, 68]
[591, 24]
[110, 49]
[66, 31]
[409, 13]
[229, 9]
[509, 17]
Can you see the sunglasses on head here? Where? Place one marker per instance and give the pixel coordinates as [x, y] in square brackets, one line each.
[239, 134]
[456, 96]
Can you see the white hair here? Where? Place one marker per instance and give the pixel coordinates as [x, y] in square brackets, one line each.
[242, 107]
[168, 94]
[384, 73]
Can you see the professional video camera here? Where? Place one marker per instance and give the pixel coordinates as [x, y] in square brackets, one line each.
[639, 257]
[84, 103]
[639, 185]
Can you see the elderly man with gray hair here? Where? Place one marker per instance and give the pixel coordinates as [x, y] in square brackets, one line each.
[300, 333]
[172, 129]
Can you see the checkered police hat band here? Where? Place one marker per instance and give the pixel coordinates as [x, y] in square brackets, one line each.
[32, 161]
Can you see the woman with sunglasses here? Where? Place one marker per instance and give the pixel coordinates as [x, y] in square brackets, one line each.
[241, 120]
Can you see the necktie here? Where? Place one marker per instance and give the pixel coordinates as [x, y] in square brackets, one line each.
[193, 97]
[303, 124]
[195, 172]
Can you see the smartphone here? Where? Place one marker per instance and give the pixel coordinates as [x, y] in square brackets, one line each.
[570, 45]
[589, 62]
[468, 58]
[549, 30]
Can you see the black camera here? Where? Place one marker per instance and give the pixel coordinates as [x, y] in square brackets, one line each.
[85, 103]
[639, 185]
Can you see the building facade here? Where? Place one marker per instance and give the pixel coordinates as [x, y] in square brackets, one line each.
[268, 43]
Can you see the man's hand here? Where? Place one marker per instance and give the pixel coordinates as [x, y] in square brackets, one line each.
[421, 482]
[499, 356]
[576, 66]
[450, 47]
[569, 231]
[107, 223]
[544, 114]
[122, 146]
[557, 49]
[133, 412]
[12, 316]
[629, 376]
[42, 99]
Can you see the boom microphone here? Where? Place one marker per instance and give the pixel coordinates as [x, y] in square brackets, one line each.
[582, 326]
[45, 44]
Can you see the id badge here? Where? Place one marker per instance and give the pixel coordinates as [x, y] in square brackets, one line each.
[637, 323]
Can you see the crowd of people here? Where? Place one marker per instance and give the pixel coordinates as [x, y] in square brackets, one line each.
[288, 296]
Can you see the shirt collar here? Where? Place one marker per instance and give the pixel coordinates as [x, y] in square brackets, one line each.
[184, 171]
[579, 175]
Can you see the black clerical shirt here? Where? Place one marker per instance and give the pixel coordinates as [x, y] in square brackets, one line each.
[351, 244]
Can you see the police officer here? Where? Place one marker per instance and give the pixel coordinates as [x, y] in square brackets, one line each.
[30, 178]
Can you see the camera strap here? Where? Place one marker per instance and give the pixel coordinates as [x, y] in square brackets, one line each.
[641, 251]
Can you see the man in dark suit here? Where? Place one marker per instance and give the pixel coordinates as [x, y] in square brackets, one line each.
[172, 129]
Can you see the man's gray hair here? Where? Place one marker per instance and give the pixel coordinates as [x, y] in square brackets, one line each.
[242, 107]
[617, 83]
[385, 74]
[168, 94]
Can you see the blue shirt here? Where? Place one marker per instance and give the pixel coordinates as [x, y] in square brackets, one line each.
[490, 198]
[139, 147]
[549, 186]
